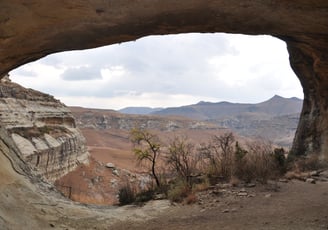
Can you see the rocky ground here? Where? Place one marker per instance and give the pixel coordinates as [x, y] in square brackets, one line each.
[283, 205]
[295, 204]
[99, 183]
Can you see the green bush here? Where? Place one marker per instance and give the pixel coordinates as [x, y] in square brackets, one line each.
[280, 159]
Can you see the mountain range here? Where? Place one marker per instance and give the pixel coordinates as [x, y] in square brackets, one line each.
[139, 110]
[275, 106]
[275, 119]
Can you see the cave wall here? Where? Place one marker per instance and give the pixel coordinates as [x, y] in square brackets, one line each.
[32, 29]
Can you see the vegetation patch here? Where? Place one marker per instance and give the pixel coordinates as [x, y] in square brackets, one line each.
[190, 168]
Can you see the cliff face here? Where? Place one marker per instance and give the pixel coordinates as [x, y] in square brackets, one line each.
[43, 130]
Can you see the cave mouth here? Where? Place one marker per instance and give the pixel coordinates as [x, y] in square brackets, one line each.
[30, 30]
[109, 23]
[250, 69]
[181, 69]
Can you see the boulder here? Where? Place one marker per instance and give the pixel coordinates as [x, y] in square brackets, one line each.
[110, 165]
[310, 181]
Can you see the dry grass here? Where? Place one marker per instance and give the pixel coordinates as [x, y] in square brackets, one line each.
[190, 199]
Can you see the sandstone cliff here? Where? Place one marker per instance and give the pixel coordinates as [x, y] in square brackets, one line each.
[43, 130]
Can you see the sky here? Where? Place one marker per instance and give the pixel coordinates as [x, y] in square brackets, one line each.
[166, 71]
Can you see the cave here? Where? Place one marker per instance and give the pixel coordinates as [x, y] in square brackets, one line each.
[30, 30]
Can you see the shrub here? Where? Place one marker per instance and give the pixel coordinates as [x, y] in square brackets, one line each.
[306, 163]
[191, 198]
[181, 158]
[261, 161]
[280, 159]
[178, 191]
[219, 155]
[242, 169]
[240, 152]
[126, 194]
[201, 186]
[258, 162]
[181, 192]
[145, 195]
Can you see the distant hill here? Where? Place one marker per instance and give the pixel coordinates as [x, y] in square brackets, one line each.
[139, 110]
[276, 106]
[275, 119]
[101, 119]
[110, 129]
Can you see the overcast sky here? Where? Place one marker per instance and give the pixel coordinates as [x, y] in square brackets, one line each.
[165, 71]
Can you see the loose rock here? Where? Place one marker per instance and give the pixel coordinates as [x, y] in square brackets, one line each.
[116, 173]
[242, 194]
[310, 180]
[250, 185]
[268, 195]
[110, 165]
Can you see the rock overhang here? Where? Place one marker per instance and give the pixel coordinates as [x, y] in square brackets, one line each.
[30, 30]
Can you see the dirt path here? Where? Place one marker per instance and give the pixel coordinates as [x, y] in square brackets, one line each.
[296, 205]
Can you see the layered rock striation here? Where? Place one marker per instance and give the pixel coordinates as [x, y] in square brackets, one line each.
[42, 129]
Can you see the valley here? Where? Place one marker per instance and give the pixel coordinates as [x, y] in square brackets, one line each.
[274, 120]
[107, 134]
[96, 182]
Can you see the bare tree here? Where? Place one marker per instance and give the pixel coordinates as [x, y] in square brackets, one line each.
[219, 152]
[181, 157]
[147, 148]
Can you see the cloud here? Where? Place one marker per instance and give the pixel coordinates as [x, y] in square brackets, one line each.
[26, 73]
[135, 99]
[208, 67]
[81, 73]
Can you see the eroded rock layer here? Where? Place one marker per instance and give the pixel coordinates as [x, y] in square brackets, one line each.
[42, 129]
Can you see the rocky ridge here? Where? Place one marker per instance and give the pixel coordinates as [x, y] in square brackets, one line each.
[275, 119]
[110, 119]
[43, 130]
